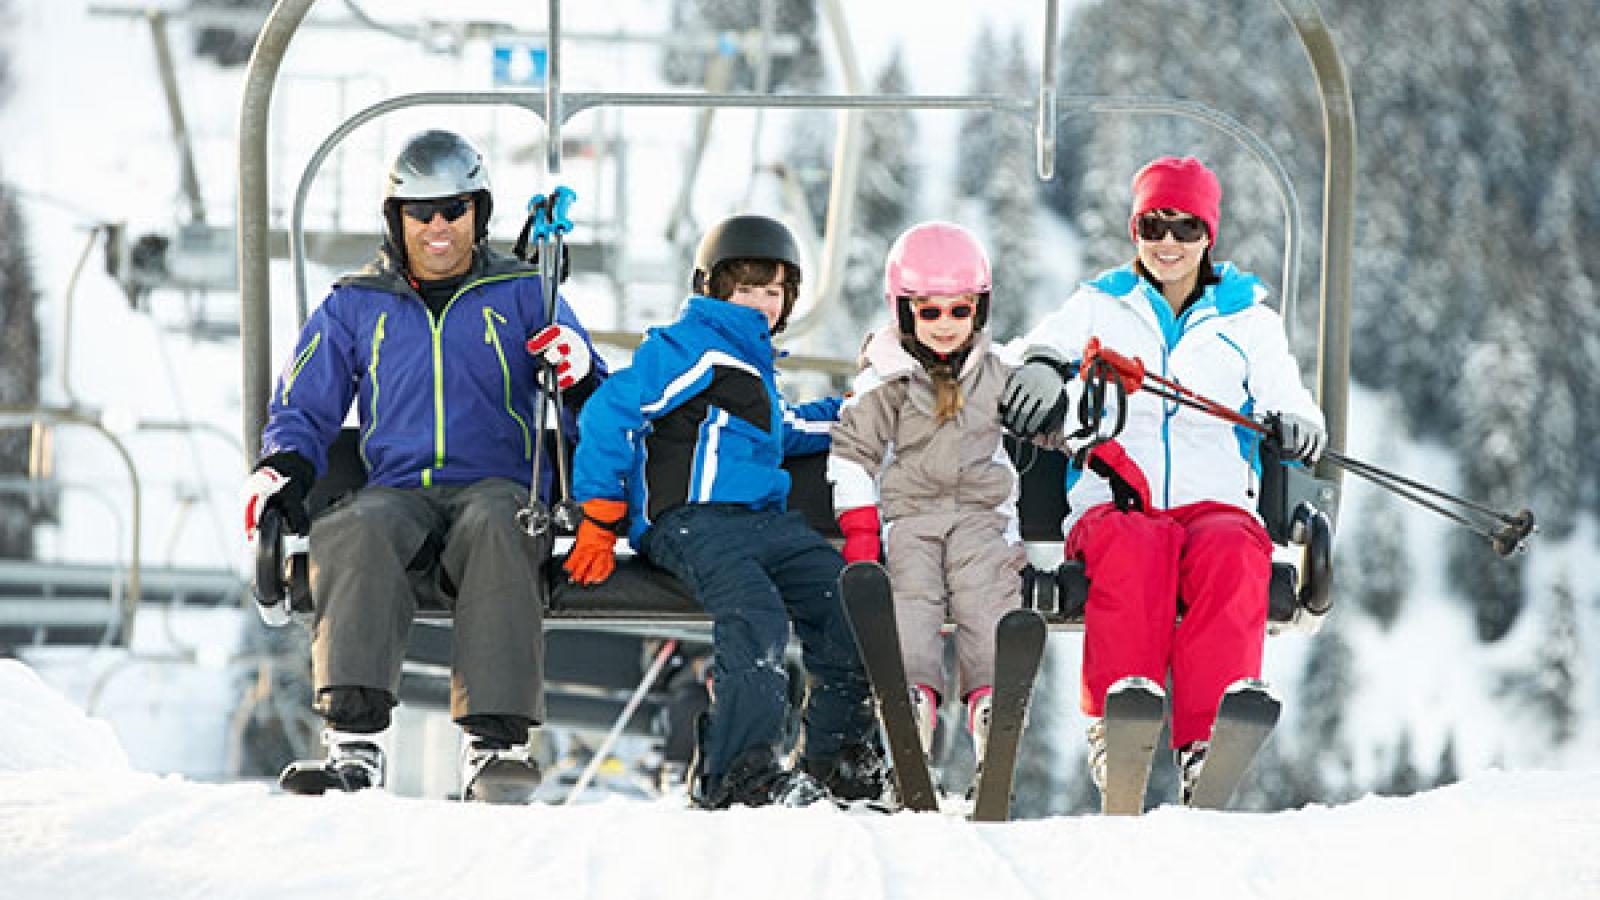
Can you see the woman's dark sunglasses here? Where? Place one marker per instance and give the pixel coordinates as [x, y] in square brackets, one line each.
[957, 311]
[452, 208]
[1186, 229]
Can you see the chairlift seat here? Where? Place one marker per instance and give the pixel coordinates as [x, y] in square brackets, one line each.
[641, 596]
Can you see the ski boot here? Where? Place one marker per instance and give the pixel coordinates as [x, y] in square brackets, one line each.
[497, 772]
[1095, 735]
[856, 773]
[1191, 758]
[980, 712]
[354, 762]
[755, 778]
[925, 704]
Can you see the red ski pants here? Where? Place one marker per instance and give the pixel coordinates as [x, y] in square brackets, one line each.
[1218, 559]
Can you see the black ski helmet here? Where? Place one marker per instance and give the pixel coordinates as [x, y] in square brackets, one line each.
[434, 164]
[748, 237]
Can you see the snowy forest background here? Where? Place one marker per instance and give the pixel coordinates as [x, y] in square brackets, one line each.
[1476, 332]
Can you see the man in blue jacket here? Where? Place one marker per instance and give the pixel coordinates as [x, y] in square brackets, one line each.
[429, 342]
[687, 446]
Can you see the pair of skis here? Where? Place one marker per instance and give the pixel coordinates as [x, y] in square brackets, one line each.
[1019, 646]
[1135, 710]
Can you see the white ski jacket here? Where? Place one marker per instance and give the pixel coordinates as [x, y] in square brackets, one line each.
[1228, 346]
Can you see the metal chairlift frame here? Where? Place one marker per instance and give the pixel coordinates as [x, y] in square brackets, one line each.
[1046, 109]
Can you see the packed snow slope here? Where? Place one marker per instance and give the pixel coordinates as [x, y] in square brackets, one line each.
[77, 822]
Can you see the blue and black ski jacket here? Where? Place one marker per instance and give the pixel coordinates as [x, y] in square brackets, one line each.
[696, 418]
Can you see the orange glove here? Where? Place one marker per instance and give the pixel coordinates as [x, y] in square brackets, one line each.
[591, 560]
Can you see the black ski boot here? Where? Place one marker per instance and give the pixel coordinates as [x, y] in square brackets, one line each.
[354, 763]
[497, 772]
[755, 778]
[856, 773]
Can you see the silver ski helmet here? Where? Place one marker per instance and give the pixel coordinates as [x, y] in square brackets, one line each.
[434, 164]
[748, 237]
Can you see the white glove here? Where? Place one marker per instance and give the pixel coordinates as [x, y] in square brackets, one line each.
[1298, 437]
[561, 348]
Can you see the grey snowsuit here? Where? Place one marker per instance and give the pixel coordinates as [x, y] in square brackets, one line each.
[947, 495]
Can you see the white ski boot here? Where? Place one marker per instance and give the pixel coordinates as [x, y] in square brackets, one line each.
[497, 772]
[354, 762]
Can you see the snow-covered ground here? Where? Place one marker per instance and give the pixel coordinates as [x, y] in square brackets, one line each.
[76, 821]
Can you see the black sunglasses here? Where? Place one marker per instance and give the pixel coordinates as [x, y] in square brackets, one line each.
[957, 311]
[452, 208]
[1186, 229]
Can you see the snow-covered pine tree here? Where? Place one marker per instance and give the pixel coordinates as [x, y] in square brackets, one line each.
[19, 377]
[19, 358]
[976, 142]
[1377, 568]
[1448, 772]
[890, 175]
[1549, 688]
[1495, 402]
[1402, 779]
[1011, 205]
[1323, 693]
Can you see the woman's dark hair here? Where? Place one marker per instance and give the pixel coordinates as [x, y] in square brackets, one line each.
[1208, 276]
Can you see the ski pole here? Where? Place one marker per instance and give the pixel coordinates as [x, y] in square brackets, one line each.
[595, 761]
[1509, 537]
[568, 514]
[534, 519]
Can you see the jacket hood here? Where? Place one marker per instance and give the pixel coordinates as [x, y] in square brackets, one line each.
[743, 327]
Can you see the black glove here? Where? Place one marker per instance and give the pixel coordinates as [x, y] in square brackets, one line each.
[1035, 400]
[1297, 436]
[280, 481]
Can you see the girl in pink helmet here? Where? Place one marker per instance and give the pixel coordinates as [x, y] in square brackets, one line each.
[919, 473]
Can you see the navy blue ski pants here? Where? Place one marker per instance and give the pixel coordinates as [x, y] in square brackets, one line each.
[755, 572]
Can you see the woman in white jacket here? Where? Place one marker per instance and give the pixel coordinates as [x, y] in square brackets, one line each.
[1171, 525]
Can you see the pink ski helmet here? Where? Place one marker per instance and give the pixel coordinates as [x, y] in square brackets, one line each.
[936, 259]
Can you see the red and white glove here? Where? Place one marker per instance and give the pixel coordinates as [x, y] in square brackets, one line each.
[863, 534]
[258, 491]
[561, 348]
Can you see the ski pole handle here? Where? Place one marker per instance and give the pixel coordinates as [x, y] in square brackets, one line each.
[539, 212]
[1128, 371]
[560, 202]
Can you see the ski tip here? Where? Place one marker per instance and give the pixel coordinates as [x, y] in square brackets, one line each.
[862, 567]
[1140, 684]
[1023, 618]
[1251, 686]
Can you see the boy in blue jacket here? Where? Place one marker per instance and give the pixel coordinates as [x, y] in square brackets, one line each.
[685, 447]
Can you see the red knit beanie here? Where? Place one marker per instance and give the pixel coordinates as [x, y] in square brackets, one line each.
[1172, 183]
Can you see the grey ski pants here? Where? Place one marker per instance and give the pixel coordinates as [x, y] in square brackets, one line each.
[956, 562]
[376, 553]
